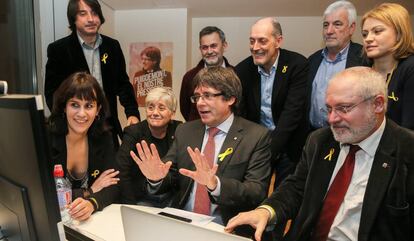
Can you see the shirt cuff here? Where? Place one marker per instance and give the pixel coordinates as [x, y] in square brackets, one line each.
[153, 187]
[216, 192]
[271, 211]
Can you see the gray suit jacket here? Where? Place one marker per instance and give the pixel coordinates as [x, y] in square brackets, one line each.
[244, 174]
[387, 211]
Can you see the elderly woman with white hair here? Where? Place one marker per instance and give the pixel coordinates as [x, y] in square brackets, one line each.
[159, 129]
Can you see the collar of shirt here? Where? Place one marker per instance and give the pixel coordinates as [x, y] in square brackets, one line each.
[370, 144]
[222, 64]
[342, 55]
[98, 42]
[224, 126]
[262, 71]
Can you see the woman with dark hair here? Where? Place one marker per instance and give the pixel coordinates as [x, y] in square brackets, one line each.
[151, 75]
[158, 128]
[81, 143]
[389, 47]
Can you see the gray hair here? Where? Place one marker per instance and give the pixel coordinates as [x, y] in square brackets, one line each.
[162, 93]
[277, 28]
[370, 82]
[212, 29]
[342, 4]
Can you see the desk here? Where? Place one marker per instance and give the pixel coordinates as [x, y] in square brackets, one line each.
[107, 224]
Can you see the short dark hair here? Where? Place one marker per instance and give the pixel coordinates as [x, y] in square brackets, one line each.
[83, 86]
[73, 9]
[222, 79]
[212, 29]
[154, 54]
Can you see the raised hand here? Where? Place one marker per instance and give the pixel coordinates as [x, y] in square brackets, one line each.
[204, 174]
[106, 179]
[149, 162]
[257, 218]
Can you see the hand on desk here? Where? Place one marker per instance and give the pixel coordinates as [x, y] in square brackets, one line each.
[204, 174]
[80, 209]
[106, 179]
[257, 218]
[149, 162]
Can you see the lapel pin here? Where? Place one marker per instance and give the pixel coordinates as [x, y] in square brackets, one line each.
[284, 69]
[104, 57]
[385, 165]
[226, 153]
[95, 173]
[393, 97]
[329, 156]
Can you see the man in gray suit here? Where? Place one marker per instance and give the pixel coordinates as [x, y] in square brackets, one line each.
[377, 199]
[239, 178]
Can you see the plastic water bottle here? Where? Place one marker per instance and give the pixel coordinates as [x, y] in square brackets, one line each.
[64, 193]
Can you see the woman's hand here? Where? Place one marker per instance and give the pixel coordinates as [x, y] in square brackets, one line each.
[80, 209]
[106, 179]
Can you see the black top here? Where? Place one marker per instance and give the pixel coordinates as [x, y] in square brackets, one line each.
[100, 158]
[132, 180]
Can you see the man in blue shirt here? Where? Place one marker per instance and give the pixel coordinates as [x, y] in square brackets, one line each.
[275, 93]
[339, 53]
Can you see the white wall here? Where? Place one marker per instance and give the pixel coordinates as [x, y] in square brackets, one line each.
[166, 25]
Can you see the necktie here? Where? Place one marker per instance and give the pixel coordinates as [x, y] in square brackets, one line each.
[335, 196]
[202, 201]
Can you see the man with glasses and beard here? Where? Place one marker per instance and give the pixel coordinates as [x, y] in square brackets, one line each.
[355, 179]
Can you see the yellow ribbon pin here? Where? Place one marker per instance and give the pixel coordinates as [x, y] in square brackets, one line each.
[284, 69]
[104, 57]
[226, 153]
[95, 173]
[329, 156]
[393, 97]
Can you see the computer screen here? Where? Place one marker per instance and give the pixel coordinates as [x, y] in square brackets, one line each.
[28, 202]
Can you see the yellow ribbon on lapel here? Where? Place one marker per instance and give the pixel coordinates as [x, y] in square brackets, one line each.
[329, 156]
[226, 153]
[284, 69]
[104, 57]
[393, 97]
[95, 173]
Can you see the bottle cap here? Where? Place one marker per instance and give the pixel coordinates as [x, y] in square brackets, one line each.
[58, 171]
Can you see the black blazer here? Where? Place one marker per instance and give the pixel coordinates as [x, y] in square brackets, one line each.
[289, 101]
[65, 57]
[133, 182]
[401, 94]
[354, 58]
[101, 157]
[244, 174]
[387, 211]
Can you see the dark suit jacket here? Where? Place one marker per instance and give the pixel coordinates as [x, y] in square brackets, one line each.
[387, 211]
[244, 174]
[101, 157]
[133, 182]
[188, 109]
[354, 58]
[65, 57]
[401, 86]
[289, 101]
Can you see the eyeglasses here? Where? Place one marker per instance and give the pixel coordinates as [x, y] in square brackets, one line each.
[206, 96]
[344, 109]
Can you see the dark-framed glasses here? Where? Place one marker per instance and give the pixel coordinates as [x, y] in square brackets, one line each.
[206, 96]
[344, 109]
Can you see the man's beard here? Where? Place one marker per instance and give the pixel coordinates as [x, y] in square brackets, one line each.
[354, 135]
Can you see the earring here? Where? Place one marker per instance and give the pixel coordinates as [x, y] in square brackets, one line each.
[98, 117]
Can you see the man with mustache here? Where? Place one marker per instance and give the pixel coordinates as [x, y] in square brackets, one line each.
[339, 53]
[354, 180]
[275, 92]
[101, 56]
[212, 46]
